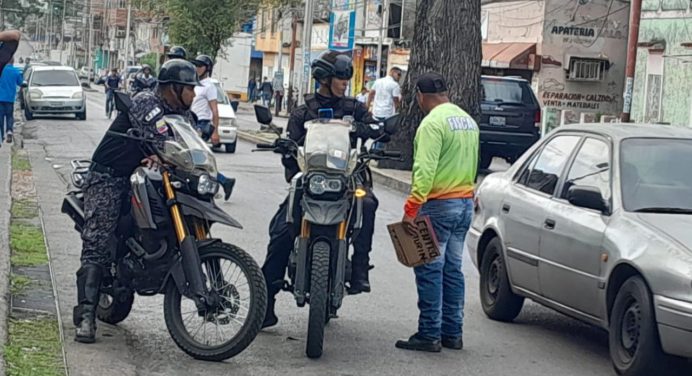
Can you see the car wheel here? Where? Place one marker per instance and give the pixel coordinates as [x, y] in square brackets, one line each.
[497, 299]
[81, 115]
[230, 148]
[485, 161]
[635, 348]
[27, 114]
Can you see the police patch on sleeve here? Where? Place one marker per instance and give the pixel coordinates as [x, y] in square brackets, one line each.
[153, 113]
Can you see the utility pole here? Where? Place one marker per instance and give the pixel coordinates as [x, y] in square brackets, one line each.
[306, 46]
[127, 37]
[385, 24]
[633, 40]
[91, 39]
[62, 29]
[294, 30]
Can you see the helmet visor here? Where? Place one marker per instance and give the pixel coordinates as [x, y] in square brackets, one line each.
[343, 68]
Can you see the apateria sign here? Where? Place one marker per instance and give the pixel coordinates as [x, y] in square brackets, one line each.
[574, 31]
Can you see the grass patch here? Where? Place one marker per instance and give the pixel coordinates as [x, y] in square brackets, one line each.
[19, 283]
[27, 244]
[34, 348]
[25, 209]
[20, 162]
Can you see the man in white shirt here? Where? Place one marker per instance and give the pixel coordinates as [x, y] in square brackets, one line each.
[385, 95]
[206, 107]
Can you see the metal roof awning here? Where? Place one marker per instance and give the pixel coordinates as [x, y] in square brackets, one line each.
[508, 55]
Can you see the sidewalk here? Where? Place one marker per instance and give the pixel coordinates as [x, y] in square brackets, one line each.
[6, 174]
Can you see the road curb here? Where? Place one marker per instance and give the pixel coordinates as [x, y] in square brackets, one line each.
[378, 175]
[5, 262]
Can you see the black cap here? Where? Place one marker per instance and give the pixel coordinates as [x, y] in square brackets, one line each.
[431, 83]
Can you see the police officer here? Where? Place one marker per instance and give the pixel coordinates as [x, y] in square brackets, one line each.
[332, 70]
[176, 52]
[107, 185]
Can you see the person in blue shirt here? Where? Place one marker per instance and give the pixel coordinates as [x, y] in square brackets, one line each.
[10, 80]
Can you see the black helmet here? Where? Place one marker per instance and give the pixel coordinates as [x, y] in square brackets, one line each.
[177, 52]
[146, 66]
[332, 64]
[204, 61]
[178, 71]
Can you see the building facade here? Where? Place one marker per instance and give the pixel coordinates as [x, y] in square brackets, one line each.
[663, 80]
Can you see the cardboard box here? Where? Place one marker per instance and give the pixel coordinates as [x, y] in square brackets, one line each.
[416, 250]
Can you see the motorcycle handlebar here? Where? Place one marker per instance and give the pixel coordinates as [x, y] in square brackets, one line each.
[266, 146]
[391, 154]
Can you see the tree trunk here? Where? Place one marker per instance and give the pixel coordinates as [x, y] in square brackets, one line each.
[447, 40]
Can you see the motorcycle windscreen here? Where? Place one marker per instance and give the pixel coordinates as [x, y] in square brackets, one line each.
[185, 149]
[327, 147]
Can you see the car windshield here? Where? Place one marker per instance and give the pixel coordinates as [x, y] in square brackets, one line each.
[653, 175]
[54, 78]
[221, 96]
[506, 91]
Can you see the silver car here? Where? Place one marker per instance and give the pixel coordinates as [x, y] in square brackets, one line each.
[595, 221]
[53, 90]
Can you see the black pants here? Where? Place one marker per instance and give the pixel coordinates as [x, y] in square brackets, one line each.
[282, 236]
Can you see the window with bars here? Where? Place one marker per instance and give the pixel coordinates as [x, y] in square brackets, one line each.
[586, 69]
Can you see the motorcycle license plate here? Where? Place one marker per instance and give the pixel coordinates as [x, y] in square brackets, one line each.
[497, 121]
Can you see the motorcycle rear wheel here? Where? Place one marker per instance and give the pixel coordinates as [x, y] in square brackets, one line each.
[319, 299]
[232, 309]
[112, 310]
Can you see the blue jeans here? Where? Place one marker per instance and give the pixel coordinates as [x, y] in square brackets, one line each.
[441, 283]
[206, 128]
[6, 118]
[110, 100]
[221, 178]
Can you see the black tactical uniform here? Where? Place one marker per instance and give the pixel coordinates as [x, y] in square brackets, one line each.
[281, 234]
[107, 189]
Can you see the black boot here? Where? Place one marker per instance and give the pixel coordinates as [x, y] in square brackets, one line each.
[88, 293]
[360, 268]
[270, 318]
[228, 188]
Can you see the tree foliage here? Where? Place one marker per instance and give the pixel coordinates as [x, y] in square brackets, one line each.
[206, 26]
[447, 40]
[17, 12]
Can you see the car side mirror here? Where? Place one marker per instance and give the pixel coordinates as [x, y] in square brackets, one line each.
[587, 197]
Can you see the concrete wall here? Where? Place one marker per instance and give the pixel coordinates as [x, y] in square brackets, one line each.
[671, 22]
[595, 29]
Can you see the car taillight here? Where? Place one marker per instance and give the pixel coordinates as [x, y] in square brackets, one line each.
[537, 119]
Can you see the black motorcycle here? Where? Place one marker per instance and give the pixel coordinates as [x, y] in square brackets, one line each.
[214, 292]
[328, 197]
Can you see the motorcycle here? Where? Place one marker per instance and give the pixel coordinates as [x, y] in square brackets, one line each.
[325, 206]
[214, 292]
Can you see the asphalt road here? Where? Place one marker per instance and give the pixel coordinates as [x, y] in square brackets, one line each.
[360, 342]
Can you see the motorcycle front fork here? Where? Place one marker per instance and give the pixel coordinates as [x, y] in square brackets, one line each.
[191, 263]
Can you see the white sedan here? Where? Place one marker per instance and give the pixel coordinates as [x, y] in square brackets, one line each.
[227, 120]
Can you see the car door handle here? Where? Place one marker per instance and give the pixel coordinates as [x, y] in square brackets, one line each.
[505, 208]
[549, 224]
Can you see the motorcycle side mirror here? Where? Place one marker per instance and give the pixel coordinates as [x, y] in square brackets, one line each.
[122, 102]
[391, 124]
[263, 115]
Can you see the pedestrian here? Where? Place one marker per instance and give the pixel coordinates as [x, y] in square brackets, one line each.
[267, 91]
[10, 79]
[444, 171]
[9, 41]
[251, 87]
[385, 97]
[363, 96]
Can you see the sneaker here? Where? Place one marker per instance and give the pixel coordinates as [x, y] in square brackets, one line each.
[418, 343]
[228, 188]
[453, 343]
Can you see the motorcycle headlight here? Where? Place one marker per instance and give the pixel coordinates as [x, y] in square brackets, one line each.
[206, 185]
[320, 184]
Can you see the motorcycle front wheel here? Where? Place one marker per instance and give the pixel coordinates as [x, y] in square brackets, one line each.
[319, 299]
[236, 280]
